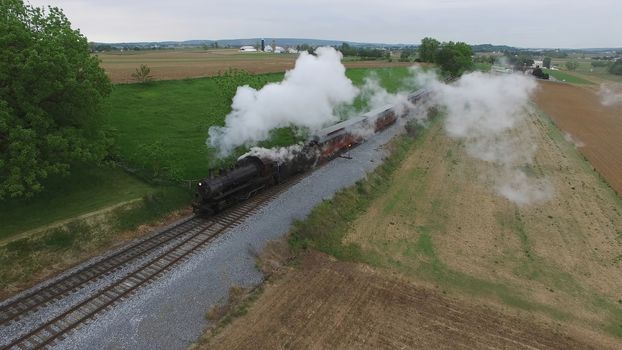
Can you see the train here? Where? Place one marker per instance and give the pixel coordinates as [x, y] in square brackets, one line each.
[254, 172]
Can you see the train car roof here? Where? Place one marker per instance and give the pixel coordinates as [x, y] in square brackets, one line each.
[348, 123]
[333, 129]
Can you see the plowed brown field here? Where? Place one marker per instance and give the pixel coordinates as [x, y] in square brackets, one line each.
[326, 304]
[177, 64]
[578, 111]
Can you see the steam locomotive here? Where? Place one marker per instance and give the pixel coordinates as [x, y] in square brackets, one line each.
[253, 173]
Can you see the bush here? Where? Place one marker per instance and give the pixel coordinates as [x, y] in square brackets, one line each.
[143, 74]
[616, 68]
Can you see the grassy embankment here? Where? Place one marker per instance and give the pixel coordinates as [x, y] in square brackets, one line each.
[400, 201]
[160, 132]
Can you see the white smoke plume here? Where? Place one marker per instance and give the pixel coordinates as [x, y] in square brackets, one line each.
[306, 98]
[377, 96]
[278, 154]
[522, 190]
[488, 112]
[610, 94]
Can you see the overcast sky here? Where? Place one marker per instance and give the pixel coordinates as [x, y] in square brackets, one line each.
[523, 23]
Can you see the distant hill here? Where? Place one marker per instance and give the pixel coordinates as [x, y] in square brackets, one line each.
[494, 48]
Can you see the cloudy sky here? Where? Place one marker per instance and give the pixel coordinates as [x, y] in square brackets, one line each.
[525, 23]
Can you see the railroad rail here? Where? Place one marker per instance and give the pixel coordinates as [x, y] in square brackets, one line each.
[190, 236]
[36, 299]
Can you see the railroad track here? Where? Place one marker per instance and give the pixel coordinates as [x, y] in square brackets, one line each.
[186, 238]
[34, 300]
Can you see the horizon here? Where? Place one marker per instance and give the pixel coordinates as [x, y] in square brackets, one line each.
[529, 24]
[354, 42]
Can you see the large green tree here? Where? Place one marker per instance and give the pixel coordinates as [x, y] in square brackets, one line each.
[454, 58]
[428, 49]
[50, 90]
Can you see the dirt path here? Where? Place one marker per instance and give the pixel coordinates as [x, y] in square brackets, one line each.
[325, 304]
[578, 111]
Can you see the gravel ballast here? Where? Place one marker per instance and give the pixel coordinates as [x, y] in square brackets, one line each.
[171, 312]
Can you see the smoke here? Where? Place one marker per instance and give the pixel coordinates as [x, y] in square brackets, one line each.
[489, 113]
[377, 96]
[610, 94]
[522, 190]
[279, 154]
[576, 142]
[306, 98]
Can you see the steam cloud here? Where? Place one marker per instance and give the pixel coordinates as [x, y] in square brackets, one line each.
[279, 154]
[306, 97]
[489, 113]
[610, 94]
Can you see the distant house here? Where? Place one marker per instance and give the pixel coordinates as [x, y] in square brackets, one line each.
[248, 49]
[279, 49]
[537, 64]
[292, 50]
[268, 48]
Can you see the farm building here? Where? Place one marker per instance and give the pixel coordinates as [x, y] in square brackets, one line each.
[248, 49]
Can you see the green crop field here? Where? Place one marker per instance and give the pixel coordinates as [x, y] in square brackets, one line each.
[566, 77]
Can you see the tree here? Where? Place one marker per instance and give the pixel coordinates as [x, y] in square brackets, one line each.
[546, 62]
[572, 65]
[143, 74]
[616, 68]
[454, 58]
[347, 50]
[428, 49]
[521, 61]
[49, 97]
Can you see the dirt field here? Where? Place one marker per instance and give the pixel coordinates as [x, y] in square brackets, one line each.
[562, 259]
[325, 304]
[578, 111]
[178, 64]
[458, 265]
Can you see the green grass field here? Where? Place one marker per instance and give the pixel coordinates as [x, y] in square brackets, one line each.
[162, 127]
[566, 77]
[87, 189]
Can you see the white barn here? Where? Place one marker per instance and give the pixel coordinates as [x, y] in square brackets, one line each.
[248, 49]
